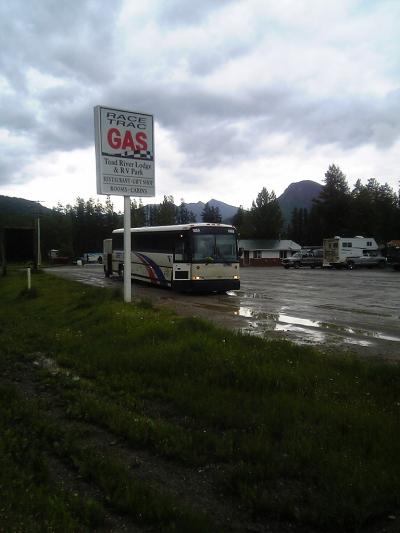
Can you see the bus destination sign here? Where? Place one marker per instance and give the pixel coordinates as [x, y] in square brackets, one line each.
[124, 152]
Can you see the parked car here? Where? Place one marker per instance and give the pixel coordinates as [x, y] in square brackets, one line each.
[311, 258]
[367, 259]
[93, 257]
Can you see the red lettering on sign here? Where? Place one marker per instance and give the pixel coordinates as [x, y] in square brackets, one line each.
[114, 138]
[141, 139]
[128, 141]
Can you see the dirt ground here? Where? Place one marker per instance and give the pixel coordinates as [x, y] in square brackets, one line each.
[358, 310]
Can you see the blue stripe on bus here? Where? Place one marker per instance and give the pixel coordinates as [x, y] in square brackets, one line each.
[157, 270]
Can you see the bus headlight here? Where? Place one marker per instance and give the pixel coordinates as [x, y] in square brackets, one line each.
[235, 277]
[197, 277]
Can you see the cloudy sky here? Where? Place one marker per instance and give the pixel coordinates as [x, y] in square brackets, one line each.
[244, 93]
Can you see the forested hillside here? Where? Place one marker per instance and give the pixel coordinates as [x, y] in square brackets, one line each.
[19, 210]
[370, 209]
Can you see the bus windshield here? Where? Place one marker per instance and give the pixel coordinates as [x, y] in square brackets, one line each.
[217, 248]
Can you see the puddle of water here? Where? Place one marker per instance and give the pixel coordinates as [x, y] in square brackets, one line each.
[307, 335]
[358, 342]
[316, 324]
[305, 331]
[384, 337]
[300, 321]
[245, 311]
[254, 295]
[248, 312]
[303, 336]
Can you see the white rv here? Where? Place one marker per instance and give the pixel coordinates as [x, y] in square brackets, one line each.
[348, 252]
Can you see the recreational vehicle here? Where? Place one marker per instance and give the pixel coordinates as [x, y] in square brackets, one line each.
[352, 252]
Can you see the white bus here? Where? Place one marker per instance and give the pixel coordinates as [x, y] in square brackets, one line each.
[187, 257]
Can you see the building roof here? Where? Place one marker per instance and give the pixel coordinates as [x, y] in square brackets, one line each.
[268, 244]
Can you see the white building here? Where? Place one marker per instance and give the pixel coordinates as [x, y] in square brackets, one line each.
[266, 252]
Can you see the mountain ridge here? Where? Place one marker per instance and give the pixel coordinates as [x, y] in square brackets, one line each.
[298, 194]
[227, 211]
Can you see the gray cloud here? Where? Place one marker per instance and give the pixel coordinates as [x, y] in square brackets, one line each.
[74, 42]
[70, 40]
[205, 123]
[177, 12]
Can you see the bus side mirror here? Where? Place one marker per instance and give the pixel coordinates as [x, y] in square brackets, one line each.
[241, 250]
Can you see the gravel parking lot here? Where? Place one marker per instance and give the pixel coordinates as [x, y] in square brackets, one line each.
[357, 310]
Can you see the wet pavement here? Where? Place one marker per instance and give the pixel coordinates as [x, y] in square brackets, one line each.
[356, 310]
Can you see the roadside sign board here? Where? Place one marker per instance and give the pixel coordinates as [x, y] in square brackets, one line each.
[124, 144]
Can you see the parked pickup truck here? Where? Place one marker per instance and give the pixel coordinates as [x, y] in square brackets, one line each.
[393, 254]
[311, 258]
[367, 259]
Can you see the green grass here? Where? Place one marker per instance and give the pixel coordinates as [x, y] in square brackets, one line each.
[297, 435]
[29, 499]
[29, 493]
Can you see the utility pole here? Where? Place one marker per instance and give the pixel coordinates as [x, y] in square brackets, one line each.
[36, 214]
[3, 266]
[39, 254]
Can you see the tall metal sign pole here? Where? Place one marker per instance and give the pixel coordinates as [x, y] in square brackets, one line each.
[124, 142]
[127, 250]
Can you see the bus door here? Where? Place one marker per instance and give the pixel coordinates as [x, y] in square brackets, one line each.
[182, 265]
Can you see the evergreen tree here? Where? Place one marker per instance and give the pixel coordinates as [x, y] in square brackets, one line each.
[306, 229]
[184, 215]
[56, 232]
[387, 207]
[332, 207]
[211, 214]
[375, 210]
[242, 222]
[93, 226]
[192, 217]
[167, 212]
[77, 215]
[266, 216]
[363, 216]
[152, 215]
[138, 215]
[113, 220]
[293, 231]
